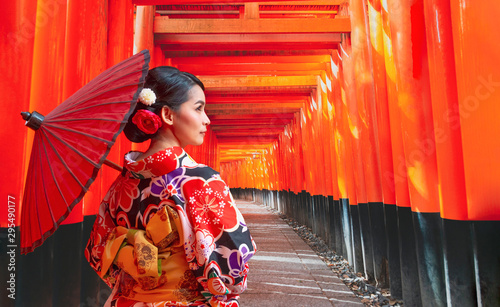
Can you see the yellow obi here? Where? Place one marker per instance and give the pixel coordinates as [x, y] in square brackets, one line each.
[153, 262]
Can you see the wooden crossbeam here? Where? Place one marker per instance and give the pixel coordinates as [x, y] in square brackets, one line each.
[213, 72]
[270, 2]
[214, 60]
[247, 111]
[255, 67]
[230, 52]
[249, 123]
[259, 81]
[297, 25]
[287, 92]
[245, 100]
[194, 12]
[277, 127]
[262, 139]
[251, 96]
[269, 116]
[248, 133]
[229, 148]
[282, 69]
[321, 47]
[311, 3]
[251, 127]
[253, 106]
[244, 38]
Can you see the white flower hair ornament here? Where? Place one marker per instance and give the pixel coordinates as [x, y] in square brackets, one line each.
[147, 96]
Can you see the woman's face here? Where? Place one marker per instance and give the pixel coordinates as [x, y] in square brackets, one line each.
[190, 121]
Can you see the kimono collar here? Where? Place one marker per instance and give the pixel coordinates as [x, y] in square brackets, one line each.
[158, 164]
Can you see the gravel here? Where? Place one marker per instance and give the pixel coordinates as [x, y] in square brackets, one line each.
[369, 294]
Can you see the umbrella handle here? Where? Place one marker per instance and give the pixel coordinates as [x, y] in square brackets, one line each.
[113, 165]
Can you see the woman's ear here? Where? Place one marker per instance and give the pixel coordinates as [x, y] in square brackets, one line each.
[167, 115]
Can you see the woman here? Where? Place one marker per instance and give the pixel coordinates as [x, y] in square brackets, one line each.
[168, 232]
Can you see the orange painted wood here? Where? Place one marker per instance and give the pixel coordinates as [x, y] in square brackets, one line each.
[246, 44]
[340, 150]
[83, 62]
[380, 92]
[249, 126]
[279, 98]
[478, 84]
[193, 14]
[251, 10]
[270, 2]
[399, 175]
[252, 106]
[449, 154]
[255, 67]
[143, 30]
[48, 69]
[303, 25]
[291, 15]
[325, 134]
[254, 81]
[302, 51]
[252, 59]
[331, 90]
[354, 170]
[120, 31]
[117, 24]
[312, 2]
[414, 103]
[213, 72]
[16, 62]
[365, 100]
[271, 37]
[270, 116]
[245, 111]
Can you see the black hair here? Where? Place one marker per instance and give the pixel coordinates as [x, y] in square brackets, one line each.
[171, 87]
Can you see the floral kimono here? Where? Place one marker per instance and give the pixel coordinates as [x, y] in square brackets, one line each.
[168, 233]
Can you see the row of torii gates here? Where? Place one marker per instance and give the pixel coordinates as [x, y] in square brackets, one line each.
[374, 122]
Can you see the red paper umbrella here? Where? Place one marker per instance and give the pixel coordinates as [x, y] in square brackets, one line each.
[71, 144]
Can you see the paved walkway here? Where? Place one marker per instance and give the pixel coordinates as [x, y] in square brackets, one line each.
[286, 272]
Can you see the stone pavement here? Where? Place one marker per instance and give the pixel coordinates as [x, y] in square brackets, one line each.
[286, 272]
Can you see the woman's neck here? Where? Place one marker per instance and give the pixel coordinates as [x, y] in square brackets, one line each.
[160, 142]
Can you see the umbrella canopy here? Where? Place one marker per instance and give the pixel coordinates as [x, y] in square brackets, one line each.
[71, 144]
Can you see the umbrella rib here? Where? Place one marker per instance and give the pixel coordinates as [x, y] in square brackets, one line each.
[77, 119]
[115, 73]
[54, 176]
[74, 149]
[108, 90]
[93, 106]
[64, 163]
[36, 196]
[100, 93]
[43, 183]
[79, 132]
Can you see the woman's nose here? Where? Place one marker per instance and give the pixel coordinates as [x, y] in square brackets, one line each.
[207, 120]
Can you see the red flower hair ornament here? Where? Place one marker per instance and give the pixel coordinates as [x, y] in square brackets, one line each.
[147, 121]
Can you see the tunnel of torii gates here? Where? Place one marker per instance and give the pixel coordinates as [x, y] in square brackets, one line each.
[373, 122]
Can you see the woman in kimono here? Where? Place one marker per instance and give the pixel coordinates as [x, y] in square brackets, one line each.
[168, 232]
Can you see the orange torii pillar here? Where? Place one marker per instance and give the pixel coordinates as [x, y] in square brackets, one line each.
[46, 93]
[354, 162]
[384, 154]
[415, 109]
[403, 268]
[476, 47]
[449, 155]
[17, 41]
[371, 209]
